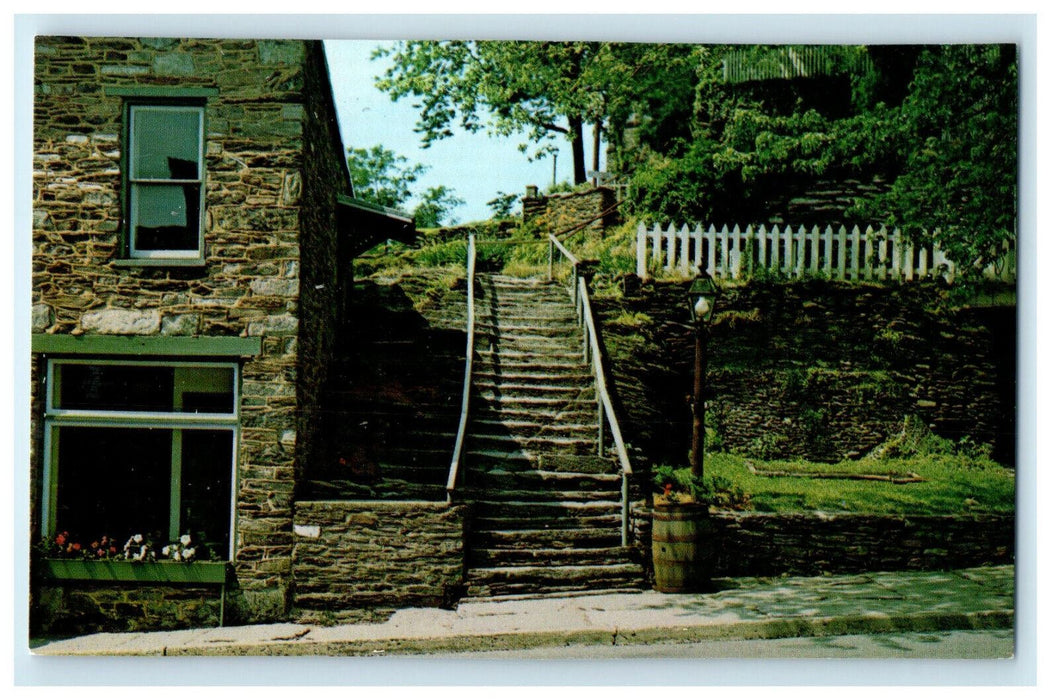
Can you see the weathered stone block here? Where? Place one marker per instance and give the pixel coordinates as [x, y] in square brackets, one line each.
[122, 321]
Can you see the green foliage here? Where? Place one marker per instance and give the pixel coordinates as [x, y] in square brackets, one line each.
[501, 205]
[949, 484]
[542, 89]
[916, 440]
[435, 205]
[939, 122]
[679, 485]
[957, 142]
[382, 177]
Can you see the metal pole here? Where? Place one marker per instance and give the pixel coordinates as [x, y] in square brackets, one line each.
[550, 258]
[698, 405]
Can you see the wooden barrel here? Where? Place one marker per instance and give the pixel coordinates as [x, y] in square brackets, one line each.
[681, 550]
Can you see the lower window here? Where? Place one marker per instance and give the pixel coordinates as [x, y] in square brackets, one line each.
[141, 448]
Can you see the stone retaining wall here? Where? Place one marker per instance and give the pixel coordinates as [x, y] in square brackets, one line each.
[810, 544]
[762, 544]
[364, 559]
[561, 212]
[819, 370]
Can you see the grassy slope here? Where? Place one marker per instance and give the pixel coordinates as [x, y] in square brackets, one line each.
[951, 484]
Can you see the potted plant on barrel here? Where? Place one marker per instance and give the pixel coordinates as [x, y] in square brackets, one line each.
[683, 534]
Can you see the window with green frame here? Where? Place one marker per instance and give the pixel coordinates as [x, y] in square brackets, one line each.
[164, 177]
[141, 447]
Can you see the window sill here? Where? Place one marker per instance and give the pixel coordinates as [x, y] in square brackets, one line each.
[160, 262]
[145, 572]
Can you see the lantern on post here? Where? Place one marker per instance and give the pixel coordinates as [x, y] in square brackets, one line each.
[701, 301]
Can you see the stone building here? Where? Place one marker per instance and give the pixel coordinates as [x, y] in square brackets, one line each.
[192, 221]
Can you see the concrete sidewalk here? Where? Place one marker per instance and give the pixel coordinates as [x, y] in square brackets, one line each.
[980, 598]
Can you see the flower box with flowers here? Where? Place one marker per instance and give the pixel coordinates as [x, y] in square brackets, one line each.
[63, 558]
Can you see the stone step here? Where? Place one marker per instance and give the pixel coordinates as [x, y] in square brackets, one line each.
[548, 403]
[534, 428]
[512, 357]
[538, 494]
[509, 509]
[581, 556]
[498, 413]
[509, 391]
[548, 345]
[566, 445]
[538, 478]
[547, 538]
[538, 579]
[501, 371]
[530, 315]
[486, 328]
[534, 523]
[585, 464]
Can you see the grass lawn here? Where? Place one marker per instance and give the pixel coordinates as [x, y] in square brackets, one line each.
[932, 485]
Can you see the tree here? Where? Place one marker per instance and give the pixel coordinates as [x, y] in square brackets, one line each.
[545, 89]
[957, 136]
[939, 123]
[436, 204]
[380, 176]
[383, 178]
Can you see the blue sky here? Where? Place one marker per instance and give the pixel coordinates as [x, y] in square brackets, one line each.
[476, 166]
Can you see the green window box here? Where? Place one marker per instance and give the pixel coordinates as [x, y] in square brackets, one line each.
[215, 572]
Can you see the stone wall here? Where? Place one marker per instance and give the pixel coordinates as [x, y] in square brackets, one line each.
[321, 278]
[364, 559]
[560, 212]
[818, 370]
[260, 141]
[810, 544]
[85, 608]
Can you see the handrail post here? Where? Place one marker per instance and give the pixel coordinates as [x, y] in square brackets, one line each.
[550, 260]
[624, 509]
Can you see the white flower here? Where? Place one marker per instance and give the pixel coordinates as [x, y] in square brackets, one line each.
[189, 552]
[185, 540]
[165, 551]
[176, 555]
[137, 539]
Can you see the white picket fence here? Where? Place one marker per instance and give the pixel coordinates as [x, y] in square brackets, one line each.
[840, 254]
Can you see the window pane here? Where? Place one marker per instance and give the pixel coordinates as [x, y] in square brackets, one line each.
[115, 387]
[205, 497]
[114, 482]
[118, 481]
[166, 143]
[165, 217]
[145, 388]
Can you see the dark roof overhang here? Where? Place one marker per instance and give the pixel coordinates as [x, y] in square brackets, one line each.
[362, 225]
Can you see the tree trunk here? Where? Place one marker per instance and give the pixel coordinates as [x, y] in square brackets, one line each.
[576, 130]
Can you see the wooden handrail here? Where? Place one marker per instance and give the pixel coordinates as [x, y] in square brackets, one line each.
[582, 302]
[464, 410]
[600, 378]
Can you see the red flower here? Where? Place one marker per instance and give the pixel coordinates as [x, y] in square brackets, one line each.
[100, 552]
[60, 539]
[668, 489]
[76, 546]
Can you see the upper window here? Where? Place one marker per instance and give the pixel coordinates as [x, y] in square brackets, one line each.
[164, 175]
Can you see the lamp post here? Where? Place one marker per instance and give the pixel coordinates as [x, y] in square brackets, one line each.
[701, 300]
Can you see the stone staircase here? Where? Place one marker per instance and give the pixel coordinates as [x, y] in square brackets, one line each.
[546, 508]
